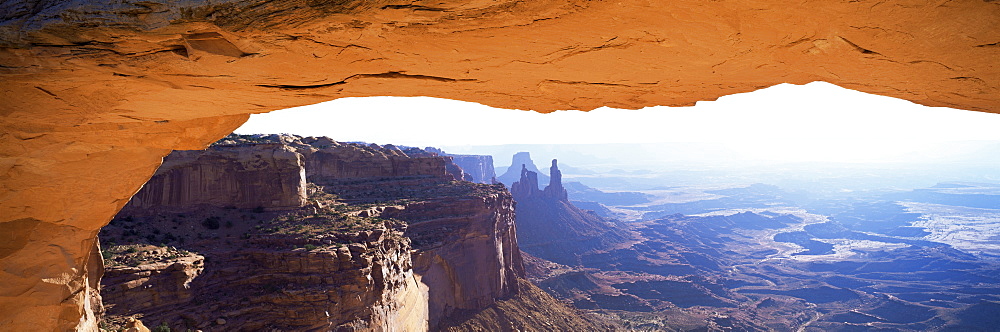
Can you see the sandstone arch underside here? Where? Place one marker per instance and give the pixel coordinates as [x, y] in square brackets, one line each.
[93, 95]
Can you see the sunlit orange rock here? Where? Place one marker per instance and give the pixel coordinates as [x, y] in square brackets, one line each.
[94, 94]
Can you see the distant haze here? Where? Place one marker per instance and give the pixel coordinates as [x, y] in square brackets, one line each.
[816, 122]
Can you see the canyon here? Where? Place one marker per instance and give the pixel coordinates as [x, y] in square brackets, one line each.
[96, 94]
[382, 239]
[761, 257]
[552, 228]
[475, 168]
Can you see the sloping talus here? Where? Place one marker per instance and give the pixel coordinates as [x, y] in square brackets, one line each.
[94, 93]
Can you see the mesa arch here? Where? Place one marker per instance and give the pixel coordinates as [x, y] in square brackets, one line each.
[95, 94]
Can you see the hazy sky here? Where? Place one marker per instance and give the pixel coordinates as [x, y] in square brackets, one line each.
[813, 122]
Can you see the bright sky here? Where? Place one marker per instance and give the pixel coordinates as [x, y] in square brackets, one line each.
[814, 122]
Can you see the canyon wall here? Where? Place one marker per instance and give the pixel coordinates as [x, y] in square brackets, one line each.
[328, 160]
[467, 251]
[464, 246]
[96, 93]
[365, 284]
[269, 176]
[476, 168]
[480, 168]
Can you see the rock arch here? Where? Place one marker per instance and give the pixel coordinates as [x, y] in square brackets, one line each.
[95, 94]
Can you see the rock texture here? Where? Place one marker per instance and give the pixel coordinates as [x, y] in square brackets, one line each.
[96, 93]
[135, 325]
[634, 53]
[268, 282]
[328, 160]
[552, 228]
[468, 252]
[158, 284]
[245, 264]
[269, 176]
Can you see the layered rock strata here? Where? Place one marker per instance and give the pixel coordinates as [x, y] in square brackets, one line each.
[328, 160]
[263, 254]
[159, 283]
[358, 281]
[402, 253]
[269, 176]
[467, 250]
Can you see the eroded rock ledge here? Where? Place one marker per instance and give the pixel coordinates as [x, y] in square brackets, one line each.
[95, 94]
[200, 248]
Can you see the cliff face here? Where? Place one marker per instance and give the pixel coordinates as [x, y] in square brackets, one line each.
[389, 249]
[362, 283]
[550, 227]
[480, 168]
[269, 176]
[467, 250]
[328, 160]
[160, 283]
[475, 168]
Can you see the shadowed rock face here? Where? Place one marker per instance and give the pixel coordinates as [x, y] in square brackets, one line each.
[555, 188]
[469, 255]
[474, 168]
[552, 228]
[96, 93]
[479, 168]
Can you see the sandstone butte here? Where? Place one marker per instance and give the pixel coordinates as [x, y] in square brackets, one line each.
[95, 93]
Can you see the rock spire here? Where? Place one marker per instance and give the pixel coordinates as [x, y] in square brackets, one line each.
[526, 186]
[549, 226]
[555, 189]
